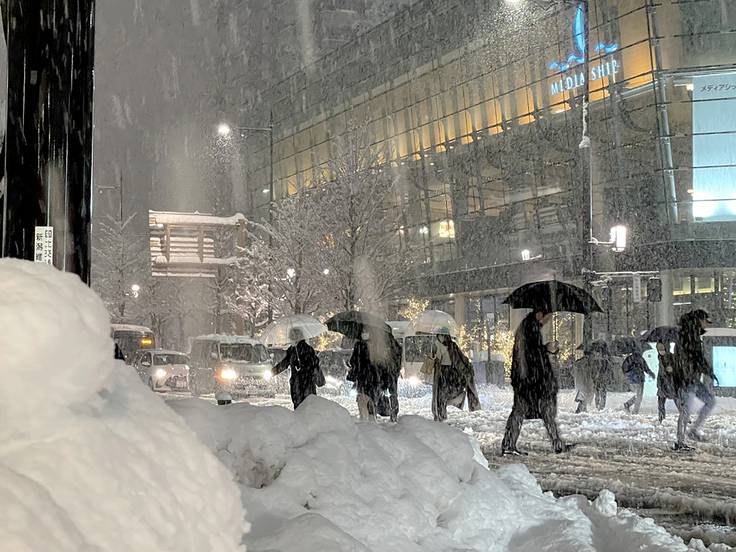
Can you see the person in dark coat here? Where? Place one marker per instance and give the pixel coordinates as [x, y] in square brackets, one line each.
[692, 375]
[306, 375]
[635, 369]
[534, 382]
[454, 380]
[389, 371]
[665, 379]
[119, 353]
[366, 375]
[602, 369]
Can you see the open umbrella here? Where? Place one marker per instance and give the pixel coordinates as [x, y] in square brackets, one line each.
[352, 324]
[280, 332]
[663, 334]
[435, 322]
[553, 296]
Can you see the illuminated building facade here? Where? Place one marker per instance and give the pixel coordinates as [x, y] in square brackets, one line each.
[476, 105]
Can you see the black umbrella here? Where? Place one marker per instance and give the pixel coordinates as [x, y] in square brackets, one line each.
[352, 324]
[663, 334]
[553, 296]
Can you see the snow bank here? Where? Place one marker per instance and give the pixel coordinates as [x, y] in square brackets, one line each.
[315, 480]
[90, 459]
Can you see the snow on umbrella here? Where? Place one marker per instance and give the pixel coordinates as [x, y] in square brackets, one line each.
[281, 331]
[552, 296]
[661, 334]
[435, 322]
[352, 324]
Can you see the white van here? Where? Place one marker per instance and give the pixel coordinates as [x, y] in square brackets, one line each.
[232, 364]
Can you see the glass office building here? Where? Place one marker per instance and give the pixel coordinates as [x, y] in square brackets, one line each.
[477, 107]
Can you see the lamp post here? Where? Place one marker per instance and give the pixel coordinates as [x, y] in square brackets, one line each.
[224, 130]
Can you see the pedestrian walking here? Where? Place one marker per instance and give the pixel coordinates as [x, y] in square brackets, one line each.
[454, 379]
[693, 376]
[306, 375]
[602, 369]
[390, 371]
[534, 382]
[582, 371]
[366, 376]
[665, 379]
[635, 369]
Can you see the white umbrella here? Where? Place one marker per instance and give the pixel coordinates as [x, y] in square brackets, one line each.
[435, 322]
[280, 332]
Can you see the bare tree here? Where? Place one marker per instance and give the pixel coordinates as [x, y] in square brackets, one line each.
[358, 243]
[247, 291]
[121, 260]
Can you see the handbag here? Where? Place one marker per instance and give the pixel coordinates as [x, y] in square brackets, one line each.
[426, 372]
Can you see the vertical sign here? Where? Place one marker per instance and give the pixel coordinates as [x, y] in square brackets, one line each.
[636, 289]
[44, 245]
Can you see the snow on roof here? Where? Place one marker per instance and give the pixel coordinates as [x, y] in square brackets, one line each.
[130, 328]
[228, 339]
[170, 217]
[165, 352]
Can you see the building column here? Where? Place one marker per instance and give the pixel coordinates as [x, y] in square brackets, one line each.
[665, 314]
[460, 309]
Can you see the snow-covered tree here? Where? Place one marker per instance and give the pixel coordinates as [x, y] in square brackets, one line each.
[248, 295]
[357, 244]
[288, 250]
[121, 260]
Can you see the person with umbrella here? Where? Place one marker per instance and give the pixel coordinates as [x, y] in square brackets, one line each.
[532, 378]
[635, 369]
[306, 375]
[665, 378]
[454, 378]
[366, 375]
[693, 376]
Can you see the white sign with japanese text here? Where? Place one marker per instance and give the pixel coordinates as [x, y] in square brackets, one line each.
[44, 245]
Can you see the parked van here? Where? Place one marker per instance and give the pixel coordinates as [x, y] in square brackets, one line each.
[233, 364]
[131, 339]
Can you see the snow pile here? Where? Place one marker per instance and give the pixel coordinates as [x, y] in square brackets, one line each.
[315, 480]
[90, 459]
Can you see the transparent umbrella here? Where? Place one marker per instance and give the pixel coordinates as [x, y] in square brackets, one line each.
[280, 332]
[435, 322]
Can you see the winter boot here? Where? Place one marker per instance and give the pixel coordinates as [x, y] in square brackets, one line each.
[513, 452]
[682, 447]
[696, 435]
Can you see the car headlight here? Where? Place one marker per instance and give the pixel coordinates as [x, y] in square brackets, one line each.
[267, 375]
[160, 373]
[414, 381]
[228, 374]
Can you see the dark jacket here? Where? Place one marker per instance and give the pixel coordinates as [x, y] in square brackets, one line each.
[634, 368]
[665, 377]
[306, 374]
[690, 361]
[532, 377]
[363, 372]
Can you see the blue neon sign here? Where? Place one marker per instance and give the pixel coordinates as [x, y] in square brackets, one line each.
[569, 80]
[578, 39]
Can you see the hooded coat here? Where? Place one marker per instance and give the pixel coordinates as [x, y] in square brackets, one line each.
[452, 383]
[364, 372]
[532, 377]
[306, 374]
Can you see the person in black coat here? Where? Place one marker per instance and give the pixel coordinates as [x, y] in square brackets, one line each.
[635, 368]
[306, 375]
[389, 367]
[602, 373]
[453, 381]
[665, 379]
[366, 375]
[692, 375]
[534, 382]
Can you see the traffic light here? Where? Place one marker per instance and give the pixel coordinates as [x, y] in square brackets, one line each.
[654, 290]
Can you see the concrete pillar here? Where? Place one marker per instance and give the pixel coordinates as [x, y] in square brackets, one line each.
[460, 309]
[578, 334]
[665, 315]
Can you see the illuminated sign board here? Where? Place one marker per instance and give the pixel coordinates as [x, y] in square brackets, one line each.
[571, 77]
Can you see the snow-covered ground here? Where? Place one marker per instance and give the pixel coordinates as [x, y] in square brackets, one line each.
[694, 495]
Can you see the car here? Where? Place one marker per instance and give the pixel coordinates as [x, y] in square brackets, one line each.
[235, 365]
[163, 370]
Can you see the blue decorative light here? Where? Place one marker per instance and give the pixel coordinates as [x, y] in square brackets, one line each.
[578, 39]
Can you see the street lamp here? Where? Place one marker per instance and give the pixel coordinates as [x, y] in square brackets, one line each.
[224, 130]
[135, 290]
[291, 273]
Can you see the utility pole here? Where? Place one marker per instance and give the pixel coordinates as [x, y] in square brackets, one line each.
[48, 153]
